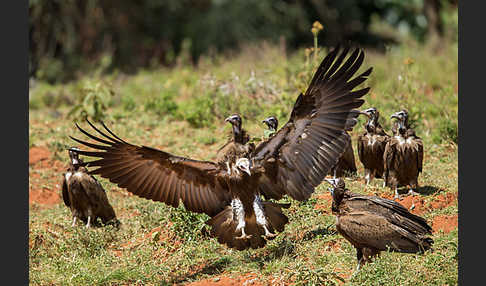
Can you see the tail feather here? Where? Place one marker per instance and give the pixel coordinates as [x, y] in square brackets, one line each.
[223, 226]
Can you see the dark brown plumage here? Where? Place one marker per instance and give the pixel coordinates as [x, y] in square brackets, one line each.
[292, 162]
[373, 224]
[84, 195]
[237, 145]
[371, 146]
[346, 164]
[403, 156]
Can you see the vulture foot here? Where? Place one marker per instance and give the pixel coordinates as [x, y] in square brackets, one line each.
[412, 193]
[268, 234]
[244, 236]
[74, 222]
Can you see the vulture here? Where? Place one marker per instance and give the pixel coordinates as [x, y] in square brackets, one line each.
[237, 146]
[373, 224]
[346, 164]
[84, 195]
[292, 162]
[403, 155]
[371, 146]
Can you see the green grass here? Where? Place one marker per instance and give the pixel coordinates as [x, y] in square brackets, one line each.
[182, 111]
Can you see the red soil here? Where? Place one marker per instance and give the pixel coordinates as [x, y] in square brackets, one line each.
[244, 280]
[44, 191]
[445, 223]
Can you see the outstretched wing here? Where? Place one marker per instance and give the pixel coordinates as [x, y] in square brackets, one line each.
[298, 157]
[157, 175]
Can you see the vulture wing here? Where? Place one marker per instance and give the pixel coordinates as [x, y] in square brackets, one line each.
[394, 212]
[371, 230]
[157, 175]
[301, 153]
[420, 154]
[65, 195]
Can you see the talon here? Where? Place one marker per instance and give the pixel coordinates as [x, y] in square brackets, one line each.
[268, 234]
[244, 236]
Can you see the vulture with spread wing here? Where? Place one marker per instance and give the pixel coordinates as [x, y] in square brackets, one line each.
[371, 146]
[373, 224]
[403, 155]
[292, 162]
[346, 164]
[84, 195]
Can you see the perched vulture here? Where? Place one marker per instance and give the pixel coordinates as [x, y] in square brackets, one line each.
[371, 146]
[237, 146]
[346, 164]
[403, 155]
[84, 195]
[373, 224]
[292, 162]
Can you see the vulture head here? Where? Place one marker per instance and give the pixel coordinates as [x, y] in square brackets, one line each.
[337, 189]
[402, 117]
[243, 165]
[73, 155]
[373, 115]
[271, 122]
[235, 120]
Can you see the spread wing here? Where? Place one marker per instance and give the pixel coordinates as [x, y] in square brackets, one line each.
[157, 175]
[301, 153]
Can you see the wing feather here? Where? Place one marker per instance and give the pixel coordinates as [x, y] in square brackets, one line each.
[154, 174]
[302, 152]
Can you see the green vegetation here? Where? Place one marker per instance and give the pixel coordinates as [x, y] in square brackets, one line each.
[181, 110]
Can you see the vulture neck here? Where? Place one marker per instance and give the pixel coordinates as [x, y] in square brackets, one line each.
[337, 198]
[372, 124]
[239, 134]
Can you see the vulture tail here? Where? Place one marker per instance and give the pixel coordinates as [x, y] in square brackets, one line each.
[223, 227]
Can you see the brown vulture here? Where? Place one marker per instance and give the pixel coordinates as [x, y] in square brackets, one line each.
[292, 162]
[84, 195]
[373, 224]
[371, 146]
[346, 164]
[403, 156]
[237, 146]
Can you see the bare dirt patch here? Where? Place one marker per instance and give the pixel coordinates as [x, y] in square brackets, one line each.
[37, 154]
[222, 280]
[445, 223]
[44, 196]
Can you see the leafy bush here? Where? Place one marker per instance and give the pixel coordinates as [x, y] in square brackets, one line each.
[93, 100]
[162, 104]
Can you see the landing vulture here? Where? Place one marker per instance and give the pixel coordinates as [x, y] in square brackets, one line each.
[403, 155]
[371, 146]
[84, 195]
[292, 162]
[346, 164]
[373, 224]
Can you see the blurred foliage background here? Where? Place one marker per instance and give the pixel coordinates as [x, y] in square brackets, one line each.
[69, 38]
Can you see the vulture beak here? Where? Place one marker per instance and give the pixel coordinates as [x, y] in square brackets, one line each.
[396, 115]
[247, 170]
[366, 112]
[332, 181]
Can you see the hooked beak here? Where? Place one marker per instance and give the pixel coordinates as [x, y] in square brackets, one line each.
[227, 119]
[365, 112]
[247, 170]
[395, 115]
[331, 181]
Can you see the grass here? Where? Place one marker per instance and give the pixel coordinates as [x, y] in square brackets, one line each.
[181, 111]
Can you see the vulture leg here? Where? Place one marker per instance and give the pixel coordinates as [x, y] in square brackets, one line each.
[89, 220]
[359, 256]
[384, 183]
[74, 221]
[411, 192]
[228, 168]
[397, 196]
[239, 212]
[369, 176]
[260, 216]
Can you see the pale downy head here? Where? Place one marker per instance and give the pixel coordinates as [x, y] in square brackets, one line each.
[73, 155]
[243, 164]
[271, 122]
[235, 120]
[402, 117]
[337, 188]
